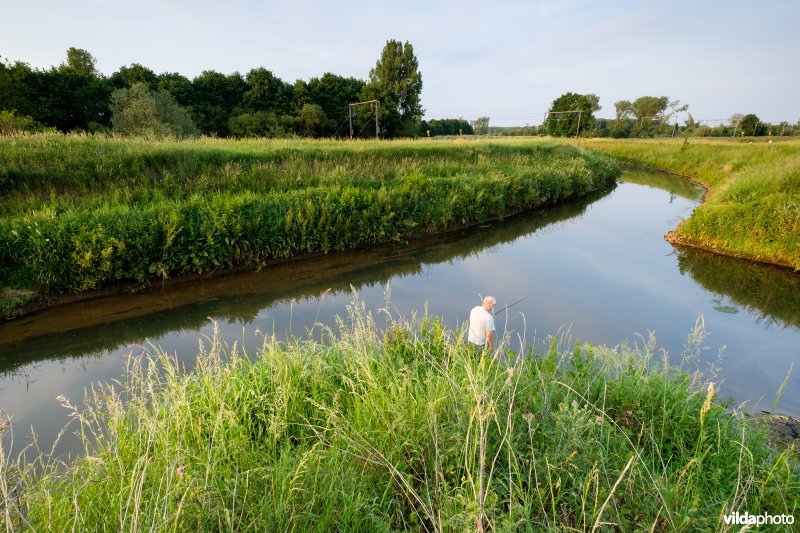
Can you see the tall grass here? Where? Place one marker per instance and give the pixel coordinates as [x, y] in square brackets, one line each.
[753, 209]
[83, 212]
[403, 428]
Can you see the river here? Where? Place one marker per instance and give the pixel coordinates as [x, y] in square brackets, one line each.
[599, 271]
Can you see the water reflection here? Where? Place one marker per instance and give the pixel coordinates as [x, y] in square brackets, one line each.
[109, 323]
[770, 294]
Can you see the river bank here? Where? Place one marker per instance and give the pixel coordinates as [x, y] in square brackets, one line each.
[83, 213]
[752, 209]
[305, 436]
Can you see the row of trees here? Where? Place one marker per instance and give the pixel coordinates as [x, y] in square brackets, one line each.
[572, 115]
[75, 97]
[135, 100]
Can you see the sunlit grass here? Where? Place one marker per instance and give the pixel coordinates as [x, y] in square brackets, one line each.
[81, 212]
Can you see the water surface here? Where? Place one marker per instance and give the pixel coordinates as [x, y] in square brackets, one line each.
[598, 269]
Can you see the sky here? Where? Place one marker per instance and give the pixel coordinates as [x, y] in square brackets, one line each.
[505, 59]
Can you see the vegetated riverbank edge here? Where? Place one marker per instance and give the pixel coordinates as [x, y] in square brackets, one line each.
[751, 209]
[35, 303]
[83, 213]
[676, 239]
[305, 436]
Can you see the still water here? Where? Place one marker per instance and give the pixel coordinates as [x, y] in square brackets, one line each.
[599, 270]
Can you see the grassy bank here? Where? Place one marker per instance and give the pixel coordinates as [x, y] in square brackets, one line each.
[404, 431]
[753, 209]
[84, 212]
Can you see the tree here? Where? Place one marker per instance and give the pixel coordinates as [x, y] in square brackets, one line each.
[445, 126]
[647, 109]
[11, 122]
[141, 112]
[81, 62]
[217, 97]
[571, 114]
[481, 126]
[396, 83]
[136, 73]
[624, 109]
[267, 92]
[752, 125]
[179, 86]
[333, 93]
[313, 120]
[735, 119]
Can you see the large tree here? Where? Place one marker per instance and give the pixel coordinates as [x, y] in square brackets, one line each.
[81, 61]
[217, 96]
[267, 92]
[650, 111]
[571, 114]
[397, 84]
[751, 125]
[126, 76]
[333, 94]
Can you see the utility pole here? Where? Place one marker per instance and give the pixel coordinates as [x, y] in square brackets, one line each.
[578, 132]
[350, 107]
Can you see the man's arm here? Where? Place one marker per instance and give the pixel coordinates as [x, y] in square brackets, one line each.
[489, 339]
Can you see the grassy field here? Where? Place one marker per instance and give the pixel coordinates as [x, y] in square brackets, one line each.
[403, 428]
[753, 209]
[84, 212]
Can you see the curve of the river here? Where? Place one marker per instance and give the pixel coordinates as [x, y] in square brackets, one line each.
[599, 269]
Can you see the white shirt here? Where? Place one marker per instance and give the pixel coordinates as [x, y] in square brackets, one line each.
[480, 321]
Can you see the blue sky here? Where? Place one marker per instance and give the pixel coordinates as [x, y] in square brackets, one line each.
[505, 59]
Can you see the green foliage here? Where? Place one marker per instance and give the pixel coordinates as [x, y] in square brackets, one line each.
[481, 126]
[134, 210]
[445, 126]
[313, 120]
[397, 84]
[127, 77]
[11, 123]
[81, 62]
[571, 114]
[752, 125]
[217, 97]
[403, 430]
[140, 112]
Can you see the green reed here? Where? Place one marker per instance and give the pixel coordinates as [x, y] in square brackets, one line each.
[82, 212]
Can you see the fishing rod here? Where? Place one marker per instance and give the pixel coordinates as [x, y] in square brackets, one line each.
[515, 303]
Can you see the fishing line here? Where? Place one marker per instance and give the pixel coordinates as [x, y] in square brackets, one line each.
[515, 303]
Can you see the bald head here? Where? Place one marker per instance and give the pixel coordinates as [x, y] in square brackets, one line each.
[488, 302]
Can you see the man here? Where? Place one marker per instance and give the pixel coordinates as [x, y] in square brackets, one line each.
[481, 325]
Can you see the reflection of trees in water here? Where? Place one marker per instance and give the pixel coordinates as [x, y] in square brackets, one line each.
[674, 185]
[241, 296]
[771, 294]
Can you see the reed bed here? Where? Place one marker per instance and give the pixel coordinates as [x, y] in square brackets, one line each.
[402, 427]
[82, 212]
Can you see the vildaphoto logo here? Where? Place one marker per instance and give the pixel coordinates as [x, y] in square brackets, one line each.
[747, 519]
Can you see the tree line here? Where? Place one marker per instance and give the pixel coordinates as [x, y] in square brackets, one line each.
[74, 96]
[572, 115]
